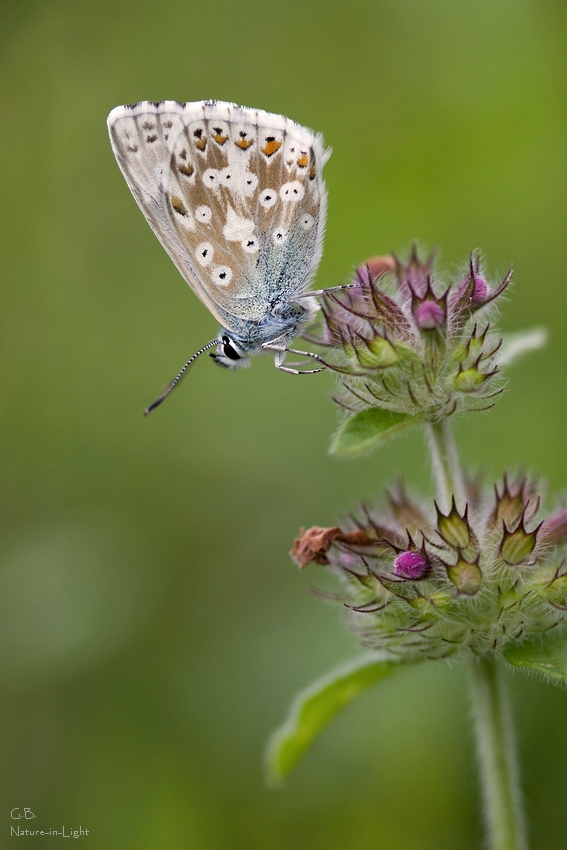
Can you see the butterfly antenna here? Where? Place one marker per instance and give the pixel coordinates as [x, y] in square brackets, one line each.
[179, 375]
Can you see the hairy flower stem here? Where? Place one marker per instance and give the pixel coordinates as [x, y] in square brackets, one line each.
[445, 462]
[493, 720]
[497, 756]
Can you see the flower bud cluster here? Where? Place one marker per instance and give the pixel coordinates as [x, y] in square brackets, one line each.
[403, 341]
[432, 583]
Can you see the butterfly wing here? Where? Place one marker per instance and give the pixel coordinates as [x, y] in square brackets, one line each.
[235, 195]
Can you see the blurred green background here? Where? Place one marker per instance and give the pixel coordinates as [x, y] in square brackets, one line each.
[152, 626]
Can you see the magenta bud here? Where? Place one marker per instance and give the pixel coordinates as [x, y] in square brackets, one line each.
[429, 316]
[481, 291]
[554, 529]
[411, 565]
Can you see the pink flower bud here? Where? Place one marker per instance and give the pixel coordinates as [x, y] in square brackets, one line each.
[481, 291]
[429, 316]
[411, 565]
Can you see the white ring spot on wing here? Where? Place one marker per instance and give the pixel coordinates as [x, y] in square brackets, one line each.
[279, 235]
[203, 214]
[292, 191]
[268, 198]
[211, 178]
[221, 275]
[306, 221]
[250, 246]
[204, 253]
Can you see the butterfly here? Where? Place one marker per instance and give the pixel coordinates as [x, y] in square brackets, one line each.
[236, 197]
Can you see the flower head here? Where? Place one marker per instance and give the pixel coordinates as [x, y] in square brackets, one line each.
[402, 340]
[422, 581]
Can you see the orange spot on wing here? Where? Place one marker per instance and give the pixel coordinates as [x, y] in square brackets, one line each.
[303, 160]
[219, 138]
[244, 144]
[271, 146]
[201, 144]
[178, 206]
[312, 173]
[187, 170]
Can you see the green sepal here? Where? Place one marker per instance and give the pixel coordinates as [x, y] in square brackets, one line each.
[510, 503]
[376, 353]
[454, 528]
[517, 546]
[475, 343]
[469, 380]
[429, 606]
[546, 655]
[556, 591]
[314, 707]
[406, 353]
[466, 576]
[382, 353]
[509, 598]
[368, 429]
[459, 354]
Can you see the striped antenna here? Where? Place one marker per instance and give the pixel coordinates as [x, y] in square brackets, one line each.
[179, 375]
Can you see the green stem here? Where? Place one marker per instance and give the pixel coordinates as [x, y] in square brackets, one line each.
[497, 756]
[493, 720]
[445, 461]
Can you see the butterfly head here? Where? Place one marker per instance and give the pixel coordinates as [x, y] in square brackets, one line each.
[229, 354]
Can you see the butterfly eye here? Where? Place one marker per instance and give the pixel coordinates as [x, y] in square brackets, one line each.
[229, 350]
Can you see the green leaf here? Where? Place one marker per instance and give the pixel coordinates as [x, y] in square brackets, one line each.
[546, 655]
[515, 345]
[368, 429]
[314, 707]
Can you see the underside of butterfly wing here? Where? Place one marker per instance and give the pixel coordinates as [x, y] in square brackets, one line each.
[236, 197]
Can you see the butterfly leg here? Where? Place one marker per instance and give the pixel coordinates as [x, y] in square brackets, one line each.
[291, 371]
[282, 350]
